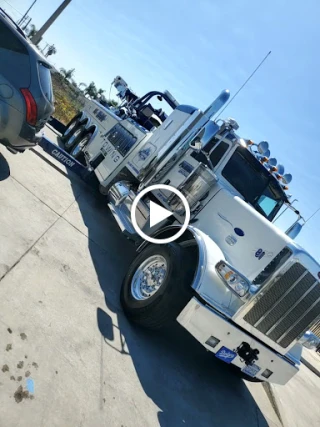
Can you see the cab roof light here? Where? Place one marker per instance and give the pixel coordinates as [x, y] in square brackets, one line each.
[264, 159]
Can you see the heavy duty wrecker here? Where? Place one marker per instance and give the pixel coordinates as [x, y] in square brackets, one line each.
[242, 287]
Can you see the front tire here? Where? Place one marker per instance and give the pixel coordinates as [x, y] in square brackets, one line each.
[157, 286]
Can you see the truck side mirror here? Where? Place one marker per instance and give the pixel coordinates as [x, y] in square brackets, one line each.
[196, 145]
[294, 230]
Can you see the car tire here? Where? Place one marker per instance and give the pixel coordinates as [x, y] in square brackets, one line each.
[77, 149]
[74, 138]
[164, 303]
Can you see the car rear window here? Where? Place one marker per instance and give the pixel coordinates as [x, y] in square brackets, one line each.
[45, 81]
[14, 57]
[10, 41]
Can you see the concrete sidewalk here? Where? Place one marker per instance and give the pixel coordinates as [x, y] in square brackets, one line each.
[311, 360]
[62, 260]
[62, 330]
[298, 401]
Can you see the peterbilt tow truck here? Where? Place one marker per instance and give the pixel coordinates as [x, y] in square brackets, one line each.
[242, 287]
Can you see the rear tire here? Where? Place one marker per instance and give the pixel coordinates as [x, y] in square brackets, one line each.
[77, 148]
[72, 141]
[70, 128]
[165, 304]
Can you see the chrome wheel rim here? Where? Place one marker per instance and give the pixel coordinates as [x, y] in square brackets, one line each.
[73, 137]
[149, 277]
[72, 125]
[78, 148]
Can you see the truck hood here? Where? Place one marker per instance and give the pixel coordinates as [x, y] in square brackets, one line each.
[248, 240]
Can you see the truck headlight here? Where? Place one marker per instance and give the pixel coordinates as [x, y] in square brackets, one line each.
[236, 282]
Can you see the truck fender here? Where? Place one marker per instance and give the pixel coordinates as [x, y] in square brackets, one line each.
[206, 281]
[87, 123]
[82, 117]
[94, 129]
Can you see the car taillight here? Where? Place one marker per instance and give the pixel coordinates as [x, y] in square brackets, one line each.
[31, 107]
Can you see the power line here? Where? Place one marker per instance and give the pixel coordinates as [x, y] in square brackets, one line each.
[21, 20]
[317, 210]
[239, 90]
[12, 7]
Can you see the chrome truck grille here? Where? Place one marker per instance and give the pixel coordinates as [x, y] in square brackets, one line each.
[288, 307]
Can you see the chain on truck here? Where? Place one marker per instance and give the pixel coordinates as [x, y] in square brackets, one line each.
[242, 287]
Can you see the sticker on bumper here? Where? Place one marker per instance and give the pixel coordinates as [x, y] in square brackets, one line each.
[226, 355]
[251, 370]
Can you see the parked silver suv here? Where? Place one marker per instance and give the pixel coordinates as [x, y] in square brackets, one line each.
[26, 97]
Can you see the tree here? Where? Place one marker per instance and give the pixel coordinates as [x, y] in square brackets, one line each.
[32, 31]
[82, 84]
[113, 103]
[67, 74]
[100, 92]
[91, 90]
[51, 50]
[74, 83]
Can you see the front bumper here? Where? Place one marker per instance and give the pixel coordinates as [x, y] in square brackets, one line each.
[121, 198]
[203, 322]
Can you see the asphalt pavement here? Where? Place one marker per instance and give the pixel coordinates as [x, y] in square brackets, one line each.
[69, 357]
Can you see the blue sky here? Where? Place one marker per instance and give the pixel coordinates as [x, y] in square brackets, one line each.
[196, 49]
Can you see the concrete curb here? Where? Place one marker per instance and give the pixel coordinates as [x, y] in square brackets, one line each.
[273, 400]
[310, 366]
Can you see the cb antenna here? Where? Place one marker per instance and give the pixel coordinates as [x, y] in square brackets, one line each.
[243, 85]
[314, 213]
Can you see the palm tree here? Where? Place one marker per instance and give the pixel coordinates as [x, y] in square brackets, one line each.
[91, 90]
[51, 50]
[32, 31]
[67, 74]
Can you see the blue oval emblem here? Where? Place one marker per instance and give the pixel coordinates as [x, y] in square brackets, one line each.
[260, 253]
[239, 232]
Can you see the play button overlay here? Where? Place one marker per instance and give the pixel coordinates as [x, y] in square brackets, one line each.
[158, 213]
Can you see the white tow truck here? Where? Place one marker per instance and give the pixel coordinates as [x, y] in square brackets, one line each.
[242, 287]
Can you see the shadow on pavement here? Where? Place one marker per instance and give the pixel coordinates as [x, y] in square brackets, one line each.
[188, 384]
[4, 168]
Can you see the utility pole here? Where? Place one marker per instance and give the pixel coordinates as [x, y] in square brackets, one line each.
[24, 16]
[38, 36]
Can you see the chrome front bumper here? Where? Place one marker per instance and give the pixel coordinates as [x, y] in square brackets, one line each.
[121, 198]
[205, 323]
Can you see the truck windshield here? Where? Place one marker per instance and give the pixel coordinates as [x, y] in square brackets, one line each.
[251, 179]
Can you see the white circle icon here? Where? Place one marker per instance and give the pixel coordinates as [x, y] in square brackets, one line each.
[158, 213]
